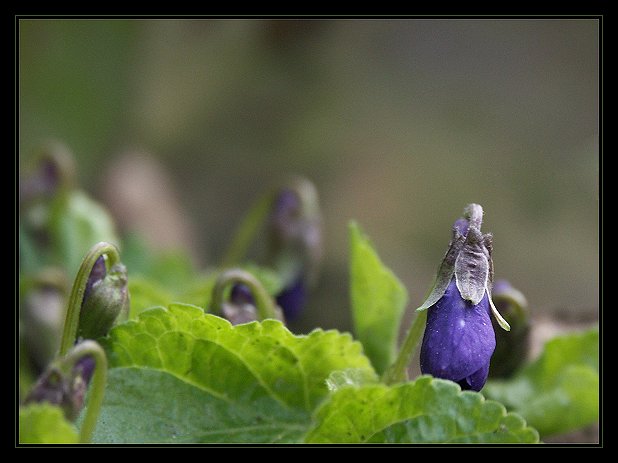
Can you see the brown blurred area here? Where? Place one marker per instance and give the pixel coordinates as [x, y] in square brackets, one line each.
[399, 123]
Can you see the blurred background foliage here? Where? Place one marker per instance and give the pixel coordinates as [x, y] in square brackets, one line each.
[399, 123]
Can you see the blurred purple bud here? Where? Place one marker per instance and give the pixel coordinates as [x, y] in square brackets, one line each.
[241, 294]
[292, 299]
[50, 387]
[84, 368]
[68, 391]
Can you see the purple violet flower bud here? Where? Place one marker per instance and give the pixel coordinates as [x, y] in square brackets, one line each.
[241, 305]
[53, 170]
[50, 387]
[459, 337]
[67, 390]
[292, 299]
[459, 340]
[97, 273]
[106, 299]
[241, 294]
[295, 233]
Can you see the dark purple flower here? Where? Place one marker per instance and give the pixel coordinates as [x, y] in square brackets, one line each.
[459, 340]
[67, 390]
[292, 299]
[459, 337]
[295, 235]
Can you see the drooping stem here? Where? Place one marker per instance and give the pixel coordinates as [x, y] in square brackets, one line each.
[71, 321]
[263, 302]
[97, 388]
[397, 372]
[247, 230]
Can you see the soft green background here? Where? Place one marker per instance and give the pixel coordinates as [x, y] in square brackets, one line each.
[400, 123]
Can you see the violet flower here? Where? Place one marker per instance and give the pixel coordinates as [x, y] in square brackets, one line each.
[295, 235]
[292, 299]
[106, 300]
[459, 338]
[62, 388]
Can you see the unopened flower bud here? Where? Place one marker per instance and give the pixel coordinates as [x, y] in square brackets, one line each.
[292, 298]
[53, 169]
[459, 338]
[106, 300]
[50, 387]
[67, 389]
[295, 232]
[246, 301]
[42, 311]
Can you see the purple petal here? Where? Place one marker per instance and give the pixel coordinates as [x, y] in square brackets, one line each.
[287, 202]
[84, 368]
[241, 294]
[476, 380]
[459, 339]
[97, 273]
[292, 299]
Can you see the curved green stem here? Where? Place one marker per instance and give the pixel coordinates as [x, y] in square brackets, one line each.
[397, 372]
[97, 390]
[247, 230]
[263, 302]
[71, 321]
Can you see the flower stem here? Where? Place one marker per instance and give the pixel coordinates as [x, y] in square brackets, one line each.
[71, 321]
[97, 391]
[397, 372]
[263, 302]
[247, 230]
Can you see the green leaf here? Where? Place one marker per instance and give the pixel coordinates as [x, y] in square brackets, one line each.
[378, 301]
[146, 293]
[349, 377]
[424, 411]
[180, 375]
[45, 424]
[143, 294]
[559, 392]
